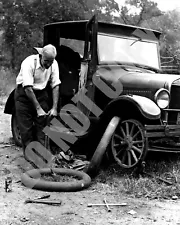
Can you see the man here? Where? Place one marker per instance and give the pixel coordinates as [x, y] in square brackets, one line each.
[31, 97]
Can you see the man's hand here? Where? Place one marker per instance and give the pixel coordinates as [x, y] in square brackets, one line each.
[30, 93]
[52, 112]
[40, 112]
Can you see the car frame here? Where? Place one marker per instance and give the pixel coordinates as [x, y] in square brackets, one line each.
[135, 90]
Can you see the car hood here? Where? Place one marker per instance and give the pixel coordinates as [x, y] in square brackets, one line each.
[136, 78]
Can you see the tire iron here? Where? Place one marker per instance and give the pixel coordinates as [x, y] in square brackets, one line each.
[37, 198]
[107, 204]
[41, 201]
[42, 197]
[50, 202]
[109, 210]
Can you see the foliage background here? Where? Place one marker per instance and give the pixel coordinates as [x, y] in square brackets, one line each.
[22, 21]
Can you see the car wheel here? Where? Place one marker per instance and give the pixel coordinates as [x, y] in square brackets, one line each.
[15, 130]
[128, 143]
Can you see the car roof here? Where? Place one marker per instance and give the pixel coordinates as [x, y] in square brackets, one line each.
[76, 29]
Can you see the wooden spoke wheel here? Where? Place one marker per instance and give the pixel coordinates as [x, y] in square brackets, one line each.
[128, 143]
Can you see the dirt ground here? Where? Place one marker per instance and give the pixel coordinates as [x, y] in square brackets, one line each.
[74, 208]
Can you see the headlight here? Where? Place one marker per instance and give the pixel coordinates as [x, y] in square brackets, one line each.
[162, 98]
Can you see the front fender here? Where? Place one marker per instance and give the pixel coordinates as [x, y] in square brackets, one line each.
[9, 106]
[146, 106]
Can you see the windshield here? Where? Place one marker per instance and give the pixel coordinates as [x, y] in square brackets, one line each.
[119, 49]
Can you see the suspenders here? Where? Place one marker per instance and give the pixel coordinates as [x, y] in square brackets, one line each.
[35, 64]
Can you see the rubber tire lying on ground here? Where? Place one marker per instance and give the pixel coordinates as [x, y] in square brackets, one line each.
[32, 179]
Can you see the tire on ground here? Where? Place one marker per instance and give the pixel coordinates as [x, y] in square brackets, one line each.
[31, 177]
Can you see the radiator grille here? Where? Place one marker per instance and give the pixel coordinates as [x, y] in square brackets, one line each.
[174, 104]
[175, 97]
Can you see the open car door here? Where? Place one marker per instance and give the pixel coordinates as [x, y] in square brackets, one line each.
[88, 68]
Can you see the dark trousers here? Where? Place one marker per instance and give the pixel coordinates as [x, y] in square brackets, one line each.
[30, 125]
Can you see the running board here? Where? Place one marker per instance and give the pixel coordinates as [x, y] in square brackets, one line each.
[164, 149]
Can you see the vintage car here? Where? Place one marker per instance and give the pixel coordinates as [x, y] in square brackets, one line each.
[111, 70]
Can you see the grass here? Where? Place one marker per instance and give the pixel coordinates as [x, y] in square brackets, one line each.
[59, 178]
[115, 179]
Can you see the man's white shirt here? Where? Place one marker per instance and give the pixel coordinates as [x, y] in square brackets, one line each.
[33, 74]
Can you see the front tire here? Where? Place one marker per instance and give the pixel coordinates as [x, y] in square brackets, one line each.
[129, 144]
[15, 130]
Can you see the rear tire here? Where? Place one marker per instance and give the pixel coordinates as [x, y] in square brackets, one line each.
[15, 130]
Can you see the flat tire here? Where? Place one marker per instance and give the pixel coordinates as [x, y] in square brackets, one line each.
[32, 179]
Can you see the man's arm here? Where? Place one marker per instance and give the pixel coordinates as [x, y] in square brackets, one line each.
[55, 82]
[30, 93]
[55, 95]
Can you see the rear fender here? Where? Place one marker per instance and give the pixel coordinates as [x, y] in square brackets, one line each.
[9, 106]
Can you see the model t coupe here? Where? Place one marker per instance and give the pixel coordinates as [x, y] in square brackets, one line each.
[108, 71]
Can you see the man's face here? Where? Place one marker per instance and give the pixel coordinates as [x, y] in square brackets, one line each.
[46, 61]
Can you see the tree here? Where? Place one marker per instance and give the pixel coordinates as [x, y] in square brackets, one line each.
[106, 9]
[14, 27]
[22, 22]
[136, 11]
[169, 25]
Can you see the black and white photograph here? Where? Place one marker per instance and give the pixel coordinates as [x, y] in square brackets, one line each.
[90, 112]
